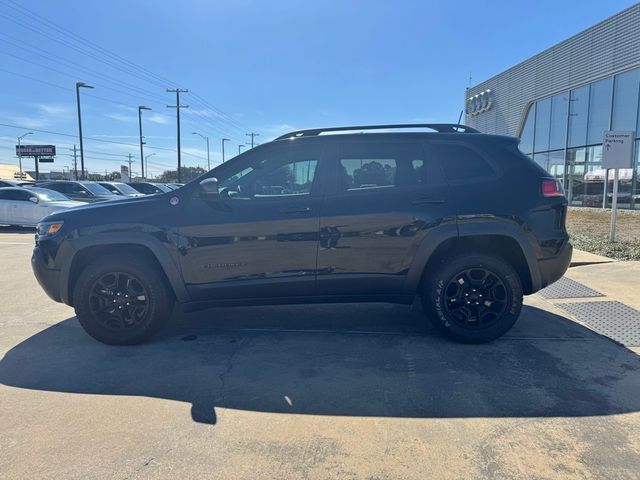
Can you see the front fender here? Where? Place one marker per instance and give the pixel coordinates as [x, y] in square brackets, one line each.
[154, 240]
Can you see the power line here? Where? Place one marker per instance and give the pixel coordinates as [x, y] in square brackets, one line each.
[22, 127]
[139, 72]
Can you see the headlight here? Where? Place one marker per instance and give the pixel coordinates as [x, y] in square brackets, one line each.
[48, 228]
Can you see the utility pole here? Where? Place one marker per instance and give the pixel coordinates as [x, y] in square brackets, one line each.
[80, 85]
[130, 172]
[252, 134]
[75, 162]
[223, 140]
[177, 106]
[140, 108]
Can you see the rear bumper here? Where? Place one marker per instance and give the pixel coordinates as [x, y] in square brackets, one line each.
[551, 269]
[48, 278]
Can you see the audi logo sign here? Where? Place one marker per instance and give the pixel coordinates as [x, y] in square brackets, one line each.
[480, 102]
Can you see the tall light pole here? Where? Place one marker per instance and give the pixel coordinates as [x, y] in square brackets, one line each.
[208, 157]
[146, 161]
[80, 85]
[19, 152]
[224, 140]
[140, 108]
[240, 148]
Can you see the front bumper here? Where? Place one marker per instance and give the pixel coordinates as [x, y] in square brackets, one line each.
[551, 269]
[48, 278]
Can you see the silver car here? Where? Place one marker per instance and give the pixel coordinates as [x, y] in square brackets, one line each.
[27, 206]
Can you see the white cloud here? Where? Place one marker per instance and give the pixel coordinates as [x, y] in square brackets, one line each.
[120, 117]
[158, 118]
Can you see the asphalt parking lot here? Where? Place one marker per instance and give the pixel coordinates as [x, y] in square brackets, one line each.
[334, 391]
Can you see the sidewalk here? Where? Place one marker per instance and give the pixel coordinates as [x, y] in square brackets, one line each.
[612, 305]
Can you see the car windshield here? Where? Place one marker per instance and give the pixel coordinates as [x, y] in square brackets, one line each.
[97, 189]
[126, 189]
[49, 195]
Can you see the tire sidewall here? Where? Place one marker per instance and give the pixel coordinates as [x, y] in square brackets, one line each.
[160, 305]
[433, 298]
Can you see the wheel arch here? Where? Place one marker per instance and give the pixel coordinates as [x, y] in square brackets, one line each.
[499, 244]
[88, 251]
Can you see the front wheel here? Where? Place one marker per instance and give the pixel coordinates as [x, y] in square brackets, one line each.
[472, 298]
[122, 299]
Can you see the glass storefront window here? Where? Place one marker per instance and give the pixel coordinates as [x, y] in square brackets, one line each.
[563, 134]
[543, 121]
[578, 111]
[599, 110]
[558, 124]
[625, 100]
[526, 137]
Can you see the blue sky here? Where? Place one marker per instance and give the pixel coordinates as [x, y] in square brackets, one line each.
[262, 66]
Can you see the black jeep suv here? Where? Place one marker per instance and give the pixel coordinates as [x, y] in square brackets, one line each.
[461, 219]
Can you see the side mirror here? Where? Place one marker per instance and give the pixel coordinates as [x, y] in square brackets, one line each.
[209, 188]
[34, 199]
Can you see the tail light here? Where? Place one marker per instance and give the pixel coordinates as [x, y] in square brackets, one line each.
[551, 188]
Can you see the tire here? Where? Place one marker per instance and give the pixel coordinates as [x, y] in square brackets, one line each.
[122, 299]
[472, 298]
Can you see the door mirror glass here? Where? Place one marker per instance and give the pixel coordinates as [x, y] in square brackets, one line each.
[33, 199]
[209, 188]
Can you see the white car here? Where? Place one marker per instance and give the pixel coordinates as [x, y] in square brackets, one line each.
[27, 206]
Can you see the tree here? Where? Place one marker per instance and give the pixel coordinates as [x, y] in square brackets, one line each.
[188, 174]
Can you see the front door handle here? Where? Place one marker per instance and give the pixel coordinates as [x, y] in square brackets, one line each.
[295, 210]
[428, 201]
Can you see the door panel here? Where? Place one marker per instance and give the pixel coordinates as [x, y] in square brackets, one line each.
[261, 238]
[387, 197]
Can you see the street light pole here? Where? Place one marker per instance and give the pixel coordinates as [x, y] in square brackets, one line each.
[208, 157]
[140, 108]
[146, 161]
[80, 85]
[19, 152]
[223, 140]
[240, 148]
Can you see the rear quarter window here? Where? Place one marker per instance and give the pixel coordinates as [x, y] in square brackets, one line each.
[461, 162]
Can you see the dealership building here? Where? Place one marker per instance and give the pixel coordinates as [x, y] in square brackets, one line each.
[560, 101]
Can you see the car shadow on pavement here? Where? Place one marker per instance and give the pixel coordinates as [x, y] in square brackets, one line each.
[360, 360]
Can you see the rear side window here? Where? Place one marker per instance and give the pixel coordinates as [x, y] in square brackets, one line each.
[373, 165]
[461, 162]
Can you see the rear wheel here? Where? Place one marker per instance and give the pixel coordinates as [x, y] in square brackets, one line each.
[473, 298]
[122, 299]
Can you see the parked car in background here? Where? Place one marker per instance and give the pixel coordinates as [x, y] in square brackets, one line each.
[27, 206]
[120, 188]
[88, 192]
[177, 185]
[149, 188]
[15, 183]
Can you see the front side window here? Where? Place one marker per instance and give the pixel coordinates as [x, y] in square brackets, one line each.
[277, 172]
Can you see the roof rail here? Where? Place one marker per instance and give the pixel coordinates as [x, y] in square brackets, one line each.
[438, 127]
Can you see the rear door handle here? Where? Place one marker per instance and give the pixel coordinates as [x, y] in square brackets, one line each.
[428, 201]
[295, 210]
